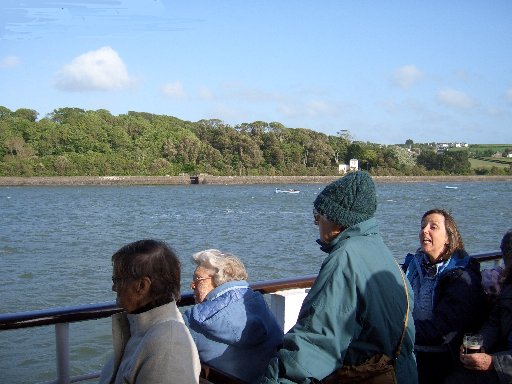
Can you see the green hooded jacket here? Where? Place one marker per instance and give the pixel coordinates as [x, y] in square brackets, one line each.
[355, 309]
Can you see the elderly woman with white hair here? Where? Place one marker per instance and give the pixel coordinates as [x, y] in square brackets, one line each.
[231, 324]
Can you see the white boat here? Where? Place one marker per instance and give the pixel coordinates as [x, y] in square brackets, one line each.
[278, 190]
[449, 187]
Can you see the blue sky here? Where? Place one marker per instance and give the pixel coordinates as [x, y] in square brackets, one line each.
[386, 71]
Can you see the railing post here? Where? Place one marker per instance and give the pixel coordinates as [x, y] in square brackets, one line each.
[62, 345]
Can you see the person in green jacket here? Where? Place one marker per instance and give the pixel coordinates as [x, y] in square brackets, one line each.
[357, 305]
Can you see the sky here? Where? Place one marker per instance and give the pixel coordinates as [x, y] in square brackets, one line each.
[385, 71]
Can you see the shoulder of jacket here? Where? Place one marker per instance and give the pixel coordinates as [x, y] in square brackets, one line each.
[407, 261]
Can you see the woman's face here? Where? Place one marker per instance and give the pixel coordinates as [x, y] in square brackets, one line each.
[126, 294]
[202, 283]
[433, 235]
[132, 293]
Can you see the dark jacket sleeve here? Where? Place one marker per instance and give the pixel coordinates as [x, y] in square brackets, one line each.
[502, 362]
[457, 306]
[497, 333]
[491, 330]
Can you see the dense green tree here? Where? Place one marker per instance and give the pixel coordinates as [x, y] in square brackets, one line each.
[429, 160]
[27, 114]
[339, 146]
[273, 154]
[74, 141]
[4, 112]
[449, 162]
[65, 115]
[354, 151]
[456, 162]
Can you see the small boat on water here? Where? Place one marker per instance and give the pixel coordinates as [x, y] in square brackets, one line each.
[451, 187]
[278, 190]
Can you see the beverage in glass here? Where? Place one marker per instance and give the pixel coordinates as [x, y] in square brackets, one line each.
[472, 343]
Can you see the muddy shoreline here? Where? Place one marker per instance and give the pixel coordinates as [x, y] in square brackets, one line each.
[225, 180]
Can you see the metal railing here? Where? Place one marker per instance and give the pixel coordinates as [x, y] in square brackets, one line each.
[63, 316]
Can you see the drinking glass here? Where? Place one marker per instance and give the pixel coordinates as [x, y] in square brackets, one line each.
[472, 343]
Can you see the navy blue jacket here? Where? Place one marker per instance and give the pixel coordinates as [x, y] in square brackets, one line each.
[458, 301]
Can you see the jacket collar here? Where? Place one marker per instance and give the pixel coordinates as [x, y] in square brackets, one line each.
[140, 323]
[364, 228]
[223, 288]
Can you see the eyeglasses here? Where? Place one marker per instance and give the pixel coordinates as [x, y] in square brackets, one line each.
[316, 215]
[117, 280]
[196, 279]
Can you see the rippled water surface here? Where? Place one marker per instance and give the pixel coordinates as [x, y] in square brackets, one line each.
[56, 243]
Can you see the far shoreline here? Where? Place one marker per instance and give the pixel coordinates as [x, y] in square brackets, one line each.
[227, 180]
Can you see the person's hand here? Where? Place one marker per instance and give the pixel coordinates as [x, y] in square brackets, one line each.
[477, 361]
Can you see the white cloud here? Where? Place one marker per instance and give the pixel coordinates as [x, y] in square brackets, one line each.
[9, 62]
[407, 76]
[206, 94]
[100, 70]
[508, 95]
[173, 90]
[455, 99]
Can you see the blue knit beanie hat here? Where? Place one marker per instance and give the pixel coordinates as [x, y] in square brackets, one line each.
[349, 200]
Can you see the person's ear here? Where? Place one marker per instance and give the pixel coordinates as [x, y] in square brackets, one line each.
[144, 286]
[338, 228]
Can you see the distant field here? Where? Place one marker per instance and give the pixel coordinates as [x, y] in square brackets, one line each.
[478, 163]
[478, 150]
[507, 160]
[486, 147]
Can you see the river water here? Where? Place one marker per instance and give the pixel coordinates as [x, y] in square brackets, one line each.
[56, 244]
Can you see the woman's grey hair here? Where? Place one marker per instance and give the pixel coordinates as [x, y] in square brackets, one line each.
[224, 266]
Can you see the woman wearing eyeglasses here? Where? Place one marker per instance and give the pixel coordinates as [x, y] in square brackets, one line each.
[448, 295]
[231, 324]
[151, 342]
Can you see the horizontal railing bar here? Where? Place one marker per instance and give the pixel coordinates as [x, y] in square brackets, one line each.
[101, 310]
[283, 284]
[488, 256]
[57, 315]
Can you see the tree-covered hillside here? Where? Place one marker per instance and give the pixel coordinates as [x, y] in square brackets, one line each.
[73, 141]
